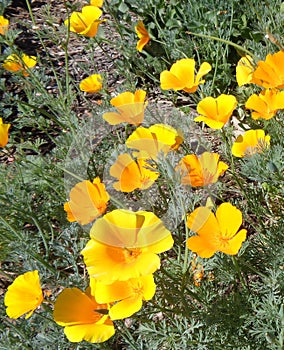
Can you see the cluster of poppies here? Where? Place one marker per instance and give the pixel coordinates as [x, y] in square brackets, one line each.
[121, 255]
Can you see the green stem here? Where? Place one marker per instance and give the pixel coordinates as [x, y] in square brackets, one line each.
[32, 254]
[239, 272]
[227, 42]
[45, 50]
[186, 252]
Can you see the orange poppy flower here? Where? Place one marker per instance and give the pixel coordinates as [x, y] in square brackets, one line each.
[4, 25]
[181, 76]
[82, 317]
[266, 104]
[92, 84]
[88, 200]
[14, 63]
[270, 73]
[143, 36]
[24, 295]
[132, 174]
[124, 245]
[86, 22]
[251, 142]
[158, 138]
[130, 108]
[127, 296]
[201, 170]
[4, 128]
[244, 70]
[215, 112]
[216, 233]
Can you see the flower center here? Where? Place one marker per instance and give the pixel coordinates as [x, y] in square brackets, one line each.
[131, 254]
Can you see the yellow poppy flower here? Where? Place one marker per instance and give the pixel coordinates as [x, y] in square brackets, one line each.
[181, 76]
[143, 36]
[14, 63]
[201, 170]
[97, 3]
[88, 200]
[270, 73]
[4, 128]
[91, 84]
[216, 233]
[266, 104]
[251, 142]
[24, 295]
[82, 317]
[158, 138]
[127, 296]
[86, 22]
[4, 25]
[244, 70]
[124, 245]
[132, 174]
[215, 112]
[130, 108]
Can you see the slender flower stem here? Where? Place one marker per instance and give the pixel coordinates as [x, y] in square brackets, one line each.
[46, 51]
[239, 272]
[227, 42]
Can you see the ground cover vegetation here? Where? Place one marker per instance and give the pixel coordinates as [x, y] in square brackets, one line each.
[141, 154]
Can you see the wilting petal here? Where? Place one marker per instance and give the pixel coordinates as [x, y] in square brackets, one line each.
[24, 295]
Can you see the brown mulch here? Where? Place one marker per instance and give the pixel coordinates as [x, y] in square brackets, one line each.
[29, 42]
